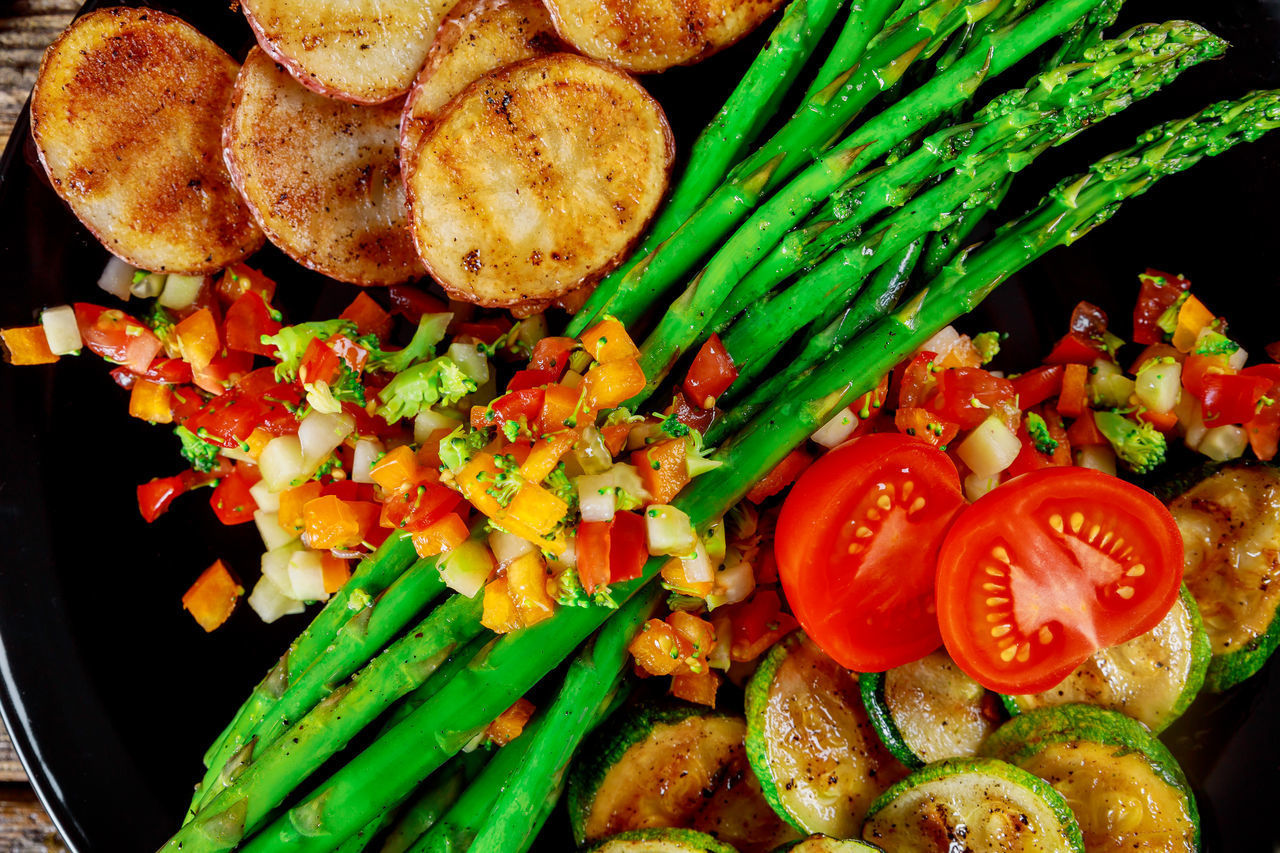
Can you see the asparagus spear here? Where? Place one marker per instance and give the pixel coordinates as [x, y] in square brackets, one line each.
[373, 574]
[751, 104]
[1017, 127]
[442, 790]
[817, 122]
[355, 644]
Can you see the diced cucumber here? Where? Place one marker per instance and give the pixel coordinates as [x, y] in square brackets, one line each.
[1152, 678]
[929, 710]
[1230, 523]
[973, 804]
[695, 757]
[1125, 788]
[818, 758]
[661, 841]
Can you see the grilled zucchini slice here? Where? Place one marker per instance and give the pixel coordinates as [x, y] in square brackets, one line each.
[825, 844]
[1230, 523]
[678, 767]
[978, 804]
[1124, 786]
[819, 760]
[929, 710]
[1152, 678]
[127, 117]
[661, 841]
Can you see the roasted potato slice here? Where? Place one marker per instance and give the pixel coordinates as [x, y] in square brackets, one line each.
[537, 179]
[645, 36]
[364, 51]
[475, 38]
[127, 117]
[322, 176]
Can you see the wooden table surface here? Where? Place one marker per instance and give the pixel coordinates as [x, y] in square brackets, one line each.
[26, 27]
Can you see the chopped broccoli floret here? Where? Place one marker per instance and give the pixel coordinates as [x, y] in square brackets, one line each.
[1214, 343]
[988, 345]
[696, 455]
[569, 591]
[511, 429]
[430, 332]
[457, 448]
[422, 386]
[671, 426]
[1140, 445]
[326, 467]
[202, 455]
[1169, 319]
[1039, 432]
[291, 342]
[558, 484]
[329, 396]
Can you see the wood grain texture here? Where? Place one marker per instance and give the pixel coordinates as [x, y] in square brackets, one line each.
[24, 827]
[26, 28]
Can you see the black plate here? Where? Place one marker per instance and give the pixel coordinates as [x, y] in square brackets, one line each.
[111, 692]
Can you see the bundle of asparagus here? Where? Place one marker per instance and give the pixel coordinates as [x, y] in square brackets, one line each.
[807, 198]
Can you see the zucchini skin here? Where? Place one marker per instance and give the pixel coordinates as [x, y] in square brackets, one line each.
[757, 701]
[873, 699]
[1030, 732]
[686, 840]
[1228, 670]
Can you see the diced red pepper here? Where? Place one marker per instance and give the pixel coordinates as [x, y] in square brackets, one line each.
[593, 545]
[1197, 367]
[558, 408]
[1163, 421]
[155, 496]
[628, 549]
[117, 337]
[782, 475]
[1036, 386]
[1232, 398]
[27, 345]
[1075, 348]
[758, 623]
[487, 331]
[523, 407]
[231, 501]
[248, 319]
[1159, 291]
[368, 315]
[552, 354]
[710, 374]
[417, 507]
[319, 363]
[1084, 431]
[1073, 399]
[663, 468]
[612, 383]
[532, 378]
[609, 341]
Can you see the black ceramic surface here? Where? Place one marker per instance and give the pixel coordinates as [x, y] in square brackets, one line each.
[111, 692]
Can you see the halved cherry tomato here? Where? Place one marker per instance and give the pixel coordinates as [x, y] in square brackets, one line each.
[1042, 572]
[117, 337]
[857, 544]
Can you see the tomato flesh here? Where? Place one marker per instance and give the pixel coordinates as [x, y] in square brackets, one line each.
[857, 542]
[1042, 572]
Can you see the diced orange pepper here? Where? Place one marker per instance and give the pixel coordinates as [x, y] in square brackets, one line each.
[442, 536]
[213, 596]
[499, 612]
[198, 335]
[336, 572]
[257, 440]
[289, 516]
[510, 723]
[608, 341]
[518, 450]
[330, 522]
[700, 635]
[783, 475]
[537, 508]
[919, 422]
[27, 345]
[150, 402]
[552, 544]
[429, 454]
[368, 315]
[558, 404]
[1192, 317]
[395, 470]
[1073, 399]
[657, 648]
[674, 577]
[546, 454]
[527, 585]
[615, 437]
[473, 479]
[612, 383]
[663, 469]
[697, 687]
[1163, 421]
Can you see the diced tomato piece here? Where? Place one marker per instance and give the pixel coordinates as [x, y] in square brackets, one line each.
[213, 596]
[758, 623]
[594, 538]
[186, 403]
[1232, 398]
[412, 303]
[1084, 432]
[871, 402]
[608, 341]
[1197, 367]
[417, 507]
[919, 422]
[1264, 427]
[27, 345]
[1075, 348]
[149, 401]
[663, 468]
[486, 332]
[782, 475]
[162, 371]
[319, 363]
[1031, 458]
[523, 407]
[155, 496]
[231, 501]
[349, 351]
[117, 337]
[657, 648]
[612, 383]
[1036, 386]
[525, 379]
[967, 396]
[917, 380]
[248, 319]
[628, 548]
[1159, 291]
[225, 369]
[710, 374]
[238, 279]
[1156, 351]
[1073, 399]
[552, 354]
[692, 416]
[368, 315]
[1089, 320]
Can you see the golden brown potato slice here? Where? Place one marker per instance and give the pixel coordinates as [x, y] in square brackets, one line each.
[127, 117]
[653, 35]
[537, 179]
[322, 176]
[365, 51]
[475, 38]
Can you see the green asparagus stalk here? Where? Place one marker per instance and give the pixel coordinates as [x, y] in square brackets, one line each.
[818, 121]
[441, 792]
[751, 104]
[1016, 128]
[867, 20]
[456, 662]
[1086, 32]
[373, 575]
[357, 642]
[390, 767]
[263, 783]
[590, 684]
